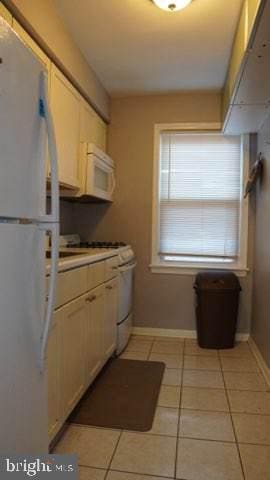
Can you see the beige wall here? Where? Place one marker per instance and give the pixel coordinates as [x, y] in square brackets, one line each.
[161, 301]
[42, 21]
[261, 297]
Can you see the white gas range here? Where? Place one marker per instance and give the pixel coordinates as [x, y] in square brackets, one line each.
[126, 265]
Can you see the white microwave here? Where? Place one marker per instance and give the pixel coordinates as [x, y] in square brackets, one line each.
[100, 175]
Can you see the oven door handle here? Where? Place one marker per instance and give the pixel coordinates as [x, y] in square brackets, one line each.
[127, 268]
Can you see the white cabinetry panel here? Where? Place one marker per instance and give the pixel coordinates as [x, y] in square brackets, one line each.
[72, 362]
[71, 284]
[245, 119]
[65, 105]
[254, 87]
[94, 326]
[82, 338]
[93, 128]
[96, 274]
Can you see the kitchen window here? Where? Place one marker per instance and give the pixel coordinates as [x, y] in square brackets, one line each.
[199, 213]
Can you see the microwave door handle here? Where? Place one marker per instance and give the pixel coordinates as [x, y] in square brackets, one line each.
[45, 112]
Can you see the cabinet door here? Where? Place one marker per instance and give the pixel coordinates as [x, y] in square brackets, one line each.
[5, 13]
[236, 60]
[72, 360]
[53, 378]
[32, 45]
[101, 134]
[65, 106]
[70, 285]
[110, 320]
[96, 275]
[94, 327]
[93, 128]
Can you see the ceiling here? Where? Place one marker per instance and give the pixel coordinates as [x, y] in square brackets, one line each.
[136, 48]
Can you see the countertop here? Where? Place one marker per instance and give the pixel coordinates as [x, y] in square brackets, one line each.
[85, 256]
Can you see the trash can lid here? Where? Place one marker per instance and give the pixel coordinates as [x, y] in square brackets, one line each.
[217, 280]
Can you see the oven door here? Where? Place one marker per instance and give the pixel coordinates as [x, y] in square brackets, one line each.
[125, 290]
[100, 179]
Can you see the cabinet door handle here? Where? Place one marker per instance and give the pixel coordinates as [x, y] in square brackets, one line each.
[109, 287]
[90, 299]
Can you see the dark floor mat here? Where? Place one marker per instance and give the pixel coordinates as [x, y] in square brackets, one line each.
[124, 396]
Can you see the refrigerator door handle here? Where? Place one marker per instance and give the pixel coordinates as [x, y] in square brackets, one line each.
[46, 113]
[54, 229]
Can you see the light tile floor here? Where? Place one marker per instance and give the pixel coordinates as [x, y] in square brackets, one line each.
[212, 421]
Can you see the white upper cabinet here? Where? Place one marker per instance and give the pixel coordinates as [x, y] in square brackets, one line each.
[241, 49]
[247, 96]
[254, 87]
[93, 129]
[5, 13]
[245, 119]
[65, 106]
[28, 40]
[100, 133]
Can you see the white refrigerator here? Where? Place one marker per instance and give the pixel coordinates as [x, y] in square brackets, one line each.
[26, 142]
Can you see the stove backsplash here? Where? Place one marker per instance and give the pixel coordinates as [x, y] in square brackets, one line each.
[85, 219]
[67, 221]
[90, 222]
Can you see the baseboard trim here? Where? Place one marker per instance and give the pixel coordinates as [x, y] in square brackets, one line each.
[262, 364]
[242, 337]
[178, 333]
[164, 332]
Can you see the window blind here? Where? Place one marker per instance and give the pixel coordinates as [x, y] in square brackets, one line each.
[199, 196]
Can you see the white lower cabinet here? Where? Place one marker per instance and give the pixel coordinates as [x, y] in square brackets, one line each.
[94, 328]
[71, 354]
[65, 362]
[82, 338]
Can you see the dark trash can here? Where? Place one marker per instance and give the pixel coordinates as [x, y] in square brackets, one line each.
[217, 298]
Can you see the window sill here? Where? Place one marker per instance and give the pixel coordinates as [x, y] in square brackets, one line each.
[188, 269]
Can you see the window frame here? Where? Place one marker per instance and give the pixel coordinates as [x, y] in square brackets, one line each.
[191, 268]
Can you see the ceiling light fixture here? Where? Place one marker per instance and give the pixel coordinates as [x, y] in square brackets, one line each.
[173, 5]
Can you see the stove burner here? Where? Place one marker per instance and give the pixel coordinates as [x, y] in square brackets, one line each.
[99, 245]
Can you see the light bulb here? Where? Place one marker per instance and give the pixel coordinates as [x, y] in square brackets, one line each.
[172, 5]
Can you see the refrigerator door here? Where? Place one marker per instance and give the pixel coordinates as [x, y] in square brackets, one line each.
[22, 130]
[23, 395]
